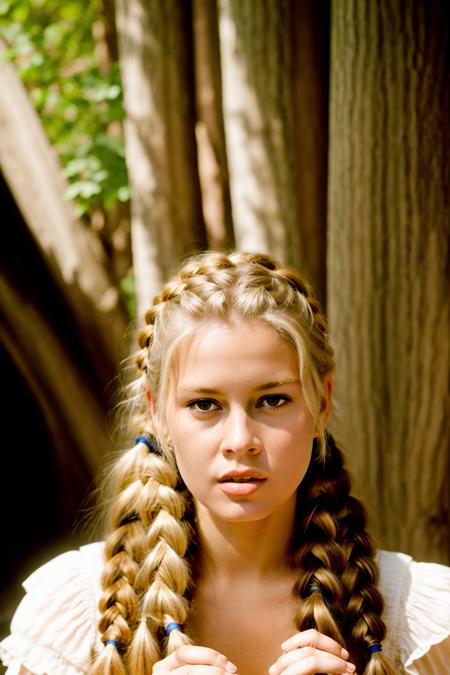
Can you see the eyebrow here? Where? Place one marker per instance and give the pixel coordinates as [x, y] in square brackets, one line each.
[262, 387]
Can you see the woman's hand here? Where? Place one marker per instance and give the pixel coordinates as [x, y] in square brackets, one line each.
[312, 652]
[190, 660]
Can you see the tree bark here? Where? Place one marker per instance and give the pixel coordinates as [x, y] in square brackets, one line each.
[310, 83]
[210, 131]
[388, 297]
[72, 255]
[256, 62]
[107, 7]
[155, 45]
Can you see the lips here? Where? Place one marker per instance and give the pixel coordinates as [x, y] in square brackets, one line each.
[242, 484]
[241, 480]
[246, 476]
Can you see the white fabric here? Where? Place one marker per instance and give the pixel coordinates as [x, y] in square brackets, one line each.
[54, 629]
[417, 614]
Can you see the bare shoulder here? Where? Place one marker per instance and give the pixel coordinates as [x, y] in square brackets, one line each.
[25, 671]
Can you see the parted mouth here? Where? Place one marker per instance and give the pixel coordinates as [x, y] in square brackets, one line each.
[247, 476]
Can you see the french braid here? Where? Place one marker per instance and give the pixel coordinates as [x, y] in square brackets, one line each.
[147, 578]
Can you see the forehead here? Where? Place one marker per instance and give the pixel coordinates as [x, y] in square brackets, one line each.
[241, 350]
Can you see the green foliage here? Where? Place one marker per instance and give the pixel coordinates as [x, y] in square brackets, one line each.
[52, 46]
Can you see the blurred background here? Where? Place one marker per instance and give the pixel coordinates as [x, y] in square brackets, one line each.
[134, 134]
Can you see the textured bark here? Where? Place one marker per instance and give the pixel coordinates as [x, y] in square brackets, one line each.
[157, 71]
[110, 29]
[388, 297]
[256, 62]
[72, 255]
[210, 132]
[310, 82]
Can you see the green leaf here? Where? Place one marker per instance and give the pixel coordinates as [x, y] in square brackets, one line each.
[123, 193]
[51, 44]
[4, 7]
[82, 188]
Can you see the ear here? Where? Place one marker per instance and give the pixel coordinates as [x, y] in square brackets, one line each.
[326, 405]
[150, 402]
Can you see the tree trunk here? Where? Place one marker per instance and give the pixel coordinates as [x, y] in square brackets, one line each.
[258, 112]
[72, 255]
[310, 82]
[107, 10]
[71, 409]
[388, 298]
[210, 132]
[157, 72]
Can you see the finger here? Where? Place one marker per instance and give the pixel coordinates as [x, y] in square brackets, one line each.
[312, 638]
[308, 661]
[193, 655]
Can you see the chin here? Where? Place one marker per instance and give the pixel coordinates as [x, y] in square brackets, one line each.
[241, 512]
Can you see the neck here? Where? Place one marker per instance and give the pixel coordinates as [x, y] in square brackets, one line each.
[245, 549]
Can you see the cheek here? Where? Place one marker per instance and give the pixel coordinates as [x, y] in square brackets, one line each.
[193, 473]
[292, 463]
[190, 459]
[186, 460]
[179, 433]
[299, 459]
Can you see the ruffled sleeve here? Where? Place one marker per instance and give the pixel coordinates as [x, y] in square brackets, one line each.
[417, 613]
[54, 629]
[425, 646]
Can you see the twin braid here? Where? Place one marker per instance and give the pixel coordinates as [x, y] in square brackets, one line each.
[146, 574]
[147, 578]
[334, 556]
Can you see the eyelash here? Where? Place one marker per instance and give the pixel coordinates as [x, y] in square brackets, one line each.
[280, 397]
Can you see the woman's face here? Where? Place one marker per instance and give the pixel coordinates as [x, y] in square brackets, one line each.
[240, 427]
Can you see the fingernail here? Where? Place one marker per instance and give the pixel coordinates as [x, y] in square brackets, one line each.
[344, 654]
[350, 668]
[231, 668]
[284, 644]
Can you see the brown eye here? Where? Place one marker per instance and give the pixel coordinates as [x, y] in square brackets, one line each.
[203, 405]
[273, 401]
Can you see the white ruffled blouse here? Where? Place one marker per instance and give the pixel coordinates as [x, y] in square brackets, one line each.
[54, 629]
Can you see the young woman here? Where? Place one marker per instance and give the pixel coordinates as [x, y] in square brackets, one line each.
[235, 544]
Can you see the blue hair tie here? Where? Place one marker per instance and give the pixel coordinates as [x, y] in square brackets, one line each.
[114, 643]
[150, 442]
[315, 589]
[375, 648]
[172, 626]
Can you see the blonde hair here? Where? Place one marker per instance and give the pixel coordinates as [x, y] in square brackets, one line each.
[148, 579]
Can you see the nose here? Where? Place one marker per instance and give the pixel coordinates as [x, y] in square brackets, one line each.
[240, 435]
